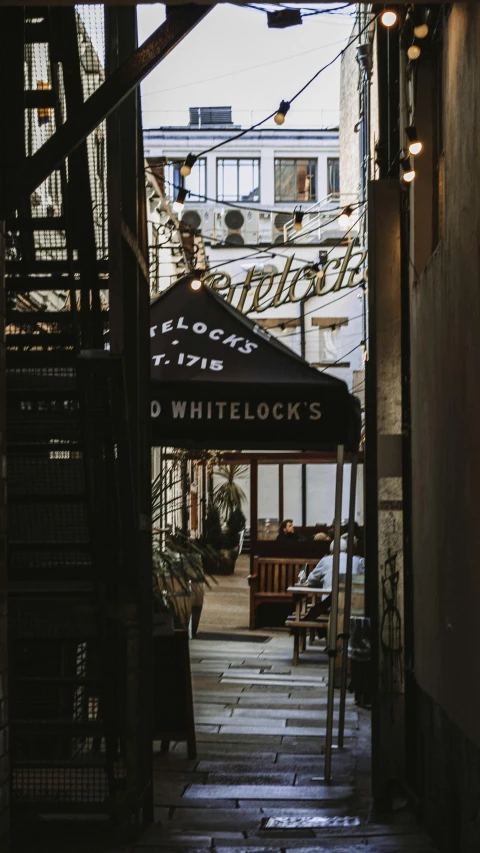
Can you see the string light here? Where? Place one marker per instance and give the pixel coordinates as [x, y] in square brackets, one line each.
[414, 143]
[179, 202]
[408, 170]
[195, 284]
[413, 51]
[279, 116]
[421, 31]
[297, 225]
[388, 18]
[186, 169]
[344, 218]
[283, 109]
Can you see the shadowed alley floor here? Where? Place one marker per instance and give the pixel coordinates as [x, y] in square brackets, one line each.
[260, 733]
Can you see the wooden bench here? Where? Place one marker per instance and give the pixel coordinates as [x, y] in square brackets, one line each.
[270, 580]
[301, 628]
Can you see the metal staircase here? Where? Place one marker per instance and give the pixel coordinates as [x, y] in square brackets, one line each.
[72, 522]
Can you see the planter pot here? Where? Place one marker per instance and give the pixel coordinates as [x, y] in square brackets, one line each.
[198, 597]
[163, 625]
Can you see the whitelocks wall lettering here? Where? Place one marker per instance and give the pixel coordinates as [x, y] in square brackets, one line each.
[273, 290]
[223, 410]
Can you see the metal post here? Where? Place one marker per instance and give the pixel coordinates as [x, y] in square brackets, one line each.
[332, 628]
[348, 598]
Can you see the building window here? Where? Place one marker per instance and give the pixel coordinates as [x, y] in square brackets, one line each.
[333, 176]
[196, 183]
[238, 179]
[331, 341]
[295, 180]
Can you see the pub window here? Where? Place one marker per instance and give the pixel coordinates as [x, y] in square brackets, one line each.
[295, 180]
[238, 179]
[333, 176]
[195, 183]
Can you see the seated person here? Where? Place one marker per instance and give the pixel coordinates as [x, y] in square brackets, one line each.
[321, 537]
[287, 532]
[321, 576]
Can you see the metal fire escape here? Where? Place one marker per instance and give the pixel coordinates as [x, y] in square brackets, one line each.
[78, 518]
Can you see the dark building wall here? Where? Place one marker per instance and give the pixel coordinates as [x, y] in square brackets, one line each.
[445, 365]
[4, 767]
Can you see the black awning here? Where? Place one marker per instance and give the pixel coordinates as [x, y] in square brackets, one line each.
[221, 381]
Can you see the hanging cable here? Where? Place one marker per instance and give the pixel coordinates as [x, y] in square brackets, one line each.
[283, 103]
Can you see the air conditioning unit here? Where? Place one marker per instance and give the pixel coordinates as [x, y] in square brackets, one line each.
[278, 226]
[199, 220]
[237, 227]
[265, 228]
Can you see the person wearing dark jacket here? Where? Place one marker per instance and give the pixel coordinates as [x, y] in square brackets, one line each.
[287, 532]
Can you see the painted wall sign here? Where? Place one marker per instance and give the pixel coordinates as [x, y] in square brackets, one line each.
[275, 289]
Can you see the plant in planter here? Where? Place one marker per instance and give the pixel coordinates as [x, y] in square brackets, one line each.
[223, 544]
[228, 495]
[179, 579]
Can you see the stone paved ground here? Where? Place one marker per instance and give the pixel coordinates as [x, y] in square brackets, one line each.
[260, 732]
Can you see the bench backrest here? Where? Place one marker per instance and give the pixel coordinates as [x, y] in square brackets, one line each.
[277, 574]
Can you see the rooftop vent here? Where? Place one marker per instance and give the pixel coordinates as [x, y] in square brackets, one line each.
[207, 116]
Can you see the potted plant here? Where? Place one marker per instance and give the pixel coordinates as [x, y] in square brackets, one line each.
[228, 495]
[179, 580]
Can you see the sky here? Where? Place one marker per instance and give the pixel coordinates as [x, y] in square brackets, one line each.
[232, 58]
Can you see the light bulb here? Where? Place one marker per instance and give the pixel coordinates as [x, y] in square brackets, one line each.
[297, 225]
[195, 284]
[179, 202]
[413, 51]
[334, 330]
[283, 109]
[421, 31]
[389, 18]
[362, 345]
[186, 169]
[414, 144]
[408, 171]
[344, 221]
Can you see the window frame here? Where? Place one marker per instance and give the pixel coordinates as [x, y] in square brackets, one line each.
[171, 190]
[295, 160]
[237, 160]
[334, 193]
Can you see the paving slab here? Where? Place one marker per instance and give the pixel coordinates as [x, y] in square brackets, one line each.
[261, 700]
[289, 713]
[271, 685]
[249, 778]
[245, 766]
[240, 736]
[269, 792]
[174, 802]
[242, 724]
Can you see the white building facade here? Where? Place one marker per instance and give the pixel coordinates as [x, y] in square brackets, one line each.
[242, 197]
[306, 286]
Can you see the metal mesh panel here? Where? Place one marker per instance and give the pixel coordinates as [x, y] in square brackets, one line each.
[91, 43]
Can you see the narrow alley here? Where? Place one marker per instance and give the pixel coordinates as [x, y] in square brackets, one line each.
[260, 731]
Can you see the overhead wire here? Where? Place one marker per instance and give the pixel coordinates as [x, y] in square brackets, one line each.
[309, 82]
[271, 249]
[252, 207]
